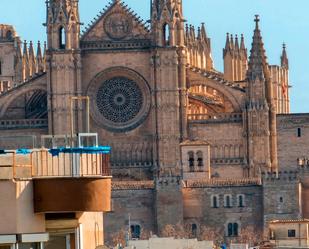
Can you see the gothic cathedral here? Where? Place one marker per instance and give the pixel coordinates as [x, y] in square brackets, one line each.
[190, 144]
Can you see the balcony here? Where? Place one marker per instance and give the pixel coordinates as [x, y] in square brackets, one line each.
[64, 179]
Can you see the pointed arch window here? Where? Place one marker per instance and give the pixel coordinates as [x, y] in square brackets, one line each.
[166, 35]
[62, 38]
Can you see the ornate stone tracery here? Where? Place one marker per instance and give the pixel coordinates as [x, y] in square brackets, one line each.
[120, 99]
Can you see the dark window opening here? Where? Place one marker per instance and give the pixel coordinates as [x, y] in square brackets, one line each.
[215, 202]
[191, 160]
[166, 35]
[228, 202]
[62, 39]
[200, 161]
[135, 231]
[292, 233]
[241, 201]
[0, 67]
[232, 230]
[194, 230]
[235, 229]
[9, 35]
[281, 199]
[299, 132]
[60, 216]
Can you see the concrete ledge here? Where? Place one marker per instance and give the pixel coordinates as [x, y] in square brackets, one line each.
[34, 237]
[8, 239]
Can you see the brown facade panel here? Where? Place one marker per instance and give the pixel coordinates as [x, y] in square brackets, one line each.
[72, 195]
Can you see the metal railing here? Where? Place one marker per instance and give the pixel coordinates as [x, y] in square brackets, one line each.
[221, 117]
[40, 163]
[23, 124]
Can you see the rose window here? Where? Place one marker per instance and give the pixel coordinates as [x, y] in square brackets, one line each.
[119, 99]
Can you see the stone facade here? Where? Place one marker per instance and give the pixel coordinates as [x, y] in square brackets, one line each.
[156, 98]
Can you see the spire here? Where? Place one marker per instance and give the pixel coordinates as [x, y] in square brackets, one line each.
[32, 60]
[258, 59]
[199, 37]
[227, 43]
[236, 43]
[25, 52]
[242, 42]
[203, 31]
[39, 58]
[26, 69]
[284, 57]
[232, 43]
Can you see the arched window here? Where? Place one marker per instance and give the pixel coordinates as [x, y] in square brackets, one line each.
[194, 230]
[191, 160]
[215, 201]
[241, 201]
[232, 229]
[62, 38]
[166, 35]
[227, 201]
[200, 160]
[135, 231]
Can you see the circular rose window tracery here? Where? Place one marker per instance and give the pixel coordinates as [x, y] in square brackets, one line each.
[120, 99]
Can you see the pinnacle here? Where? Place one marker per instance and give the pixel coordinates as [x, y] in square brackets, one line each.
[257, 57]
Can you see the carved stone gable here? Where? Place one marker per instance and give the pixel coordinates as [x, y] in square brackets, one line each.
[117, 24]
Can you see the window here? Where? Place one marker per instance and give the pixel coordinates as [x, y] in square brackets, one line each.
[241, 199]
[281, 199]
[227, 201]
[200, 162]
[0, 67]
[215, 201]
[235, 229]
[191, 160]
[135, 231]
[292, 233]
[232, 230]
[299, 132]
[166, 35]
[9, 35]
[194, 230]
[62, 40]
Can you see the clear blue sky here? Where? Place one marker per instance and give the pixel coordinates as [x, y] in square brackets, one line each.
[281, 21]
